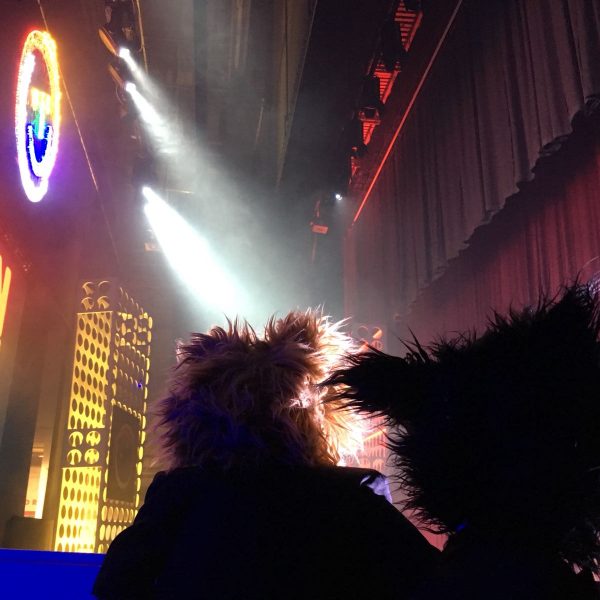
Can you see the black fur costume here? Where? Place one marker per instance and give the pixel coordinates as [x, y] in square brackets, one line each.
[496, 440]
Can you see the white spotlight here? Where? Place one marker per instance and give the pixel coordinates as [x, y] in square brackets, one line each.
[192, 258]
[339, 197]
[147, 112]
[125, 54]
[154, 123]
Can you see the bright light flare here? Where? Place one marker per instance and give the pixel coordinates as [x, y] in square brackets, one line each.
[139, 75]
[192, 258]
[147, 111]
[125, 54]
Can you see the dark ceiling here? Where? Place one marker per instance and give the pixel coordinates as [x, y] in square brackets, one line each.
[344, 39]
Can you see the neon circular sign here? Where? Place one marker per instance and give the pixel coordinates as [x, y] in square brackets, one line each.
[37, 123]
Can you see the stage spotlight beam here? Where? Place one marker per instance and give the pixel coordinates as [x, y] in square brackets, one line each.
[159, 130]
[192, 258]
[147, 111]
[126, 56]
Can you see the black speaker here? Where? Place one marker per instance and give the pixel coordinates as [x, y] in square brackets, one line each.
[122, 456]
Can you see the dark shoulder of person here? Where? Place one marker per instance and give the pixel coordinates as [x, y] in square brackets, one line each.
[384, 554]
[276, 532]
[137, 555]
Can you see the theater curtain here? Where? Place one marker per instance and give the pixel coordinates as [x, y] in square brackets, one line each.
[544, 238]
[502, 94]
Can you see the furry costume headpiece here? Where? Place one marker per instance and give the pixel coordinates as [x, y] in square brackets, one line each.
[501, 433]
[236, 399]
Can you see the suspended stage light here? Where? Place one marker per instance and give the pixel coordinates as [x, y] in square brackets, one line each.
[125, 54]
[117, 77]
[108, 40]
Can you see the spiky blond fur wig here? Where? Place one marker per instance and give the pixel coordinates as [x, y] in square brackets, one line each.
[238, 399]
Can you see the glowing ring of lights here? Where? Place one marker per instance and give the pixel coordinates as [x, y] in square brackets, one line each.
[37, 113]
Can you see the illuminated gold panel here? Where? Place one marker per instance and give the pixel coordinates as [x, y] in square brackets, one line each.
[78, 509]
[107, 419]
[5, 277]
[114, 517]
[87, 410]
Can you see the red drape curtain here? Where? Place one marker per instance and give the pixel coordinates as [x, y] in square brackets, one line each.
[545, 237]
[503, 91]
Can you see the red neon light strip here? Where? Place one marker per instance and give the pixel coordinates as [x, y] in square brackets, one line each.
[407, 112]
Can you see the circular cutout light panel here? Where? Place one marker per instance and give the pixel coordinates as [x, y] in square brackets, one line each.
[37, 122]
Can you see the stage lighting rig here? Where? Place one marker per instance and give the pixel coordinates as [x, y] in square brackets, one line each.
[122, 66]
[119, 34]
[118, 50]
[122, 88]
[127, 56]
[393, 53]
[118, 77]
[122, 85]
[354, 144]
[371, 107]
[413, 5]
[322, 211]
[109, 42]
[120, 20]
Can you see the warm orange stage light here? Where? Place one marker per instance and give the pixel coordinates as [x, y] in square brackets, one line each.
[5, 278]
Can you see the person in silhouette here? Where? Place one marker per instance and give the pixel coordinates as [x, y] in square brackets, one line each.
[496, 441]
[252, 503]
